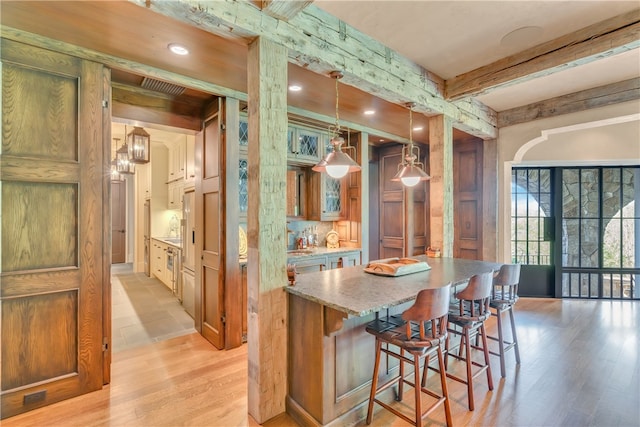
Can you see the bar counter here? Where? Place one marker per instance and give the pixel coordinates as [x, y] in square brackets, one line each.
[330, 354]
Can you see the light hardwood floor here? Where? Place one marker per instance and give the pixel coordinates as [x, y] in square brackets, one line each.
[580, 367]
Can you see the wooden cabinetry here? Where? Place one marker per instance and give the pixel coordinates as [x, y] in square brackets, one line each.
[311, 263]
[243, 275]
[305, 146]
[175, 190]
[326, 197]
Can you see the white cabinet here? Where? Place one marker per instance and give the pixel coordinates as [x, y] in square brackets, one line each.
[175, 190]
[190, 162]
[143, 180]
[176, 161]
[159, 260]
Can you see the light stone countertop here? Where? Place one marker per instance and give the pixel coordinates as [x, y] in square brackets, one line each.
[353, 291]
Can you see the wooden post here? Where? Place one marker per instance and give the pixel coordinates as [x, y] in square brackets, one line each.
[441, 183]
[266, 217]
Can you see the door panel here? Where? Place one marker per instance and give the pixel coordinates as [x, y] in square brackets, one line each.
[52, 172]
[118, 222]
[467, 204]
[391, 205]
[209, 241]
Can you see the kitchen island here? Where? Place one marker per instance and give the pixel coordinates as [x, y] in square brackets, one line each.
[330, 354]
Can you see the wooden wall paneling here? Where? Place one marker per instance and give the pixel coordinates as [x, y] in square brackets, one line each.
[392, 210]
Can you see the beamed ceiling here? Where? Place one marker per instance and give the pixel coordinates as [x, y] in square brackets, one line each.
[467, 36]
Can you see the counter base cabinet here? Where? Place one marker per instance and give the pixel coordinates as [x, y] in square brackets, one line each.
[310, 263]
[330, 370]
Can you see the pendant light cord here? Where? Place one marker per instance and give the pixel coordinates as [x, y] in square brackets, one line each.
[337, 130]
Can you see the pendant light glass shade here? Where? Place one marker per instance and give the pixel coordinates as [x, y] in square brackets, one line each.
[139, 145]
[337, 163]
[410, 170]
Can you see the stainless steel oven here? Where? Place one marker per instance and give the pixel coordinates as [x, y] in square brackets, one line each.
[173, 266]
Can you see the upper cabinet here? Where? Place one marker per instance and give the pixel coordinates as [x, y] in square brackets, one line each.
[327, 198]
[189, 162]
[304, 145]
[176, 161]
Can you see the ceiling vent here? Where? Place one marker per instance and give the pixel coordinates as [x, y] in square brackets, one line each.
[164, 87]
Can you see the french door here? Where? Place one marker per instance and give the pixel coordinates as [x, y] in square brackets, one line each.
[576, 231]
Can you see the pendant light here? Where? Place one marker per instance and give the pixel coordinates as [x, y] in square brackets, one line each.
[115, 175]
[337, 163]
[123, 165]
[410, 170]
[138, 142]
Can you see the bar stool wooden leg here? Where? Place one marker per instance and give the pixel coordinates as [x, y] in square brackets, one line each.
[445, 390]
[503, 369]
[514, 336]
[418, 389]
[400, 394]
[374, 381]
[485, 350]
[467, 345]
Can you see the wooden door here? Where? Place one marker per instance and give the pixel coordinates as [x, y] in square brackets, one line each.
[392, 218]
[54, 178]
[467, 199]
[118, 221]
[209, 295]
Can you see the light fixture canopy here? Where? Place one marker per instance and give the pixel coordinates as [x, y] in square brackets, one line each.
[139, 145]
[337, 163]
[178, 49]
[411, 170]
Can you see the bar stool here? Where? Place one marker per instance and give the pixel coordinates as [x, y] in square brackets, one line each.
[469, 316]
[504, 297]
[421, 331]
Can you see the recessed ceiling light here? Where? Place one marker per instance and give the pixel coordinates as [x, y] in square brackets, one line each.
[369, 112]
[418, 128]
[178, 49]
[295, 88]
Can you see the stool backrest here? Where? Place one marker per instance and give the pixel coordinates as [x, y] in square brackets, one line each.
[430, 305]
[474, 299]
[505, 283]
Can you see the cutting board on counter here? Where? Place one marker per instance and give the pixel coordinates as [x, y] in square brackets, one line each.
[396, 266]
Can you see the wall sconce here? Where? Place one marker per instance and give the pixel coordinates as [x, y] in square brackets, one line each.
[138, 141]
[337, 163]
[410, 170]
[123, 165]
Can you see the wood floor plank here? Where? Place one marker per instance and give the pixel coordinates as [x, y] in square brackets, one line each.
[580, 366]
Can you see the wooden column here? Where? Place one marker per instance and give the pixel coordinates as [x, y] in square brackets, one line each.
[266, 217]
[363, 148]
[490, 200]
[441, 183]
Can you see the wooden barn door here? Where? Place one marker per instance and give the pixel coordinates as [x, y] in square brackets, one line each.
[210, 308]
[467, 199]
[53, 180]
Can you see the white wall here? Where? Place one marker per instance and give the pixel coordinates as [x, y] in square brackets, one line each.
[602, 136]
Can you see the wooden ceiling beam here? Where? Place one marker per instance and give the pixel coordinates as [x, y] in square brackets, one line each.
[321, 43]
[627, 90]
[284, 9]
[610, 37]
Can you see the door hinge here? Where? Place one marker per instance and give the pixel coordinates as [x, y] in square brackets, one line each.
[105, 344]
[223, 319]
[105, 103]
[223, 127]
